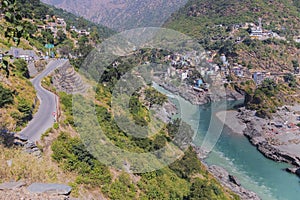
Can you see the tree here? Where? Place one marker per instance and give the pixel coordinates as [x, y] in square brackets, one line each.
[61, 36]
[48, 36]
[154, 97]
[12, 15]
[25, 108]
[6, 96]
[295, 64]
[200, 190]
[21, 68]
[290, 79]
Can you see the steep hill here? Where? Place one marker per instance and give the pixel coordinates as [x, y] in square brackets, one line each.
[121, 14]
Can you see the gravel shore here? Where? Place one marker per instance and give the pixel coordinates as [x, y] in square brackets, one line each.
[230, 120]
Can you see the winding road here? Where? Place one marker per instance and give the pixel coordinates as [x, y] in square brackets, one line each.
[43, 119]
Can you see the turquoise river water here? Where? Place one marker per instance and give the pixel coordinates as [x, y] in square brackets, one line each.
[235, 153]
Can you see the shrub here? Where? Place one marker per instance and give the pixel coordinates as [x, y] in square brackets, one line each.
[6, 96]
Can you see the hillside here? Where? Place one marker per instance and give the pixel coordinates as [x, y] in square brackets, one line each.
[279, 14]
[122, 14]
[64, 157]
[256, 37]
[40, 9]
[225, 27]
[25, 28]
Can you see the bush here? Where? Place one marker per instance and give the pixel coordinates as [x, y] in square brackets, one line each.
[26, 109]
[6, 96]
[73, 156]
[56, 126]
[21, 68]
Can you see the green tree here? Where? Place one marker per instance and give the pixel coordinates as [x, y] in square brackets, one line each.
[26, 109]
[6, 96]
[21, 68]
[154, 97]
[61, 36]
[12, 15]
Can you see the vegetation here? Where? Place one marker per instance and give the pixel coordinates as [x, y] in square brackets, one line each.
[177, 181]
[21, 68]
[6, 96]
[213, 23]
[154, 97]
[24, 166]
[266, 97]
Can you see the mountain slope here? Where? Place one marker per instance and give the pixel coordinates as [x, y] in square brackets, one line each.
[122, 14]
[214, 23]
[198, 14]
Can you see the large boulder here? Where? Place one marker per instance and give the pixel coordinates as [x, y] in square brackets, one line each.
[58, 189]
[11, 185]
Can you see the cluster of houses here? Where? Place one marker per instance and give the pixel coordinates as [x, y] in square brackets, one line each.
[53, 24]
[182, 67]
[80, 31]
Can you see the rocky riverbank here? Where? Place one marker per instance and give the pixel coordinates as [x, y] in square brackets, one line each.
[232, 183]
[226, 179]
[277, 140]
[230, 120]
[200, 97]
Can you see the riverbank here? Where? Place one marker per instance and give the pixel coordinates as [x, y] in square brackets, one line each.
[277, 139]
[200, 97]
[227, 180]
[230, 120]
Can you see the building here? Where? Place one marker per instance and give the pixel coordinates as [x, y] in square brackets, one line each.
[184, 75]
[79, 31]
[199, 83]
[238, 71]
[257, 32]
[259, 77]
[61, 22]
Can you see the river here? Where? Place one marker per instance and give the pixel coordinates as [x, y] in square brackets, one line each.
[235, 153]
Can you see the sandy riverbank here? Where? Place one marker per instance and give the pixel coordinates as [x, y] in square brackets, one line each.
[230, 120]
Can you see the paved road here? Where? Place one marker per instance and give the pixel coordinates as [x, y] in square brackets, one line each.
[43, 119]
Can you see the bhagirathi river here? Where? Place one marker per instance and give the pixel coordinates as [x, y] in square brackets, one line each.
[235, 153]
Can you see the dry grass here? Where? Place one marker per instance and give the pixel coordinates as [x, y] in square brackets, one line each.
[28, 167]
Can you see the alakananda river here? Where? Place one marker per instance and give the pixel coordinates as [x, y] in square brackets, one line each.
[234, 152]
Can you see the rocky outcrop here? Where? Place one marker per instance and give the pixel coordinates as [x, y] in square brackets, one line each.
[22, 141]
[232, 183]
[165, 112]
[11, 185]
[36, 191]
[32, 69]
[294, 170]
[49, 188]
[66, 79]
[254, 133]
